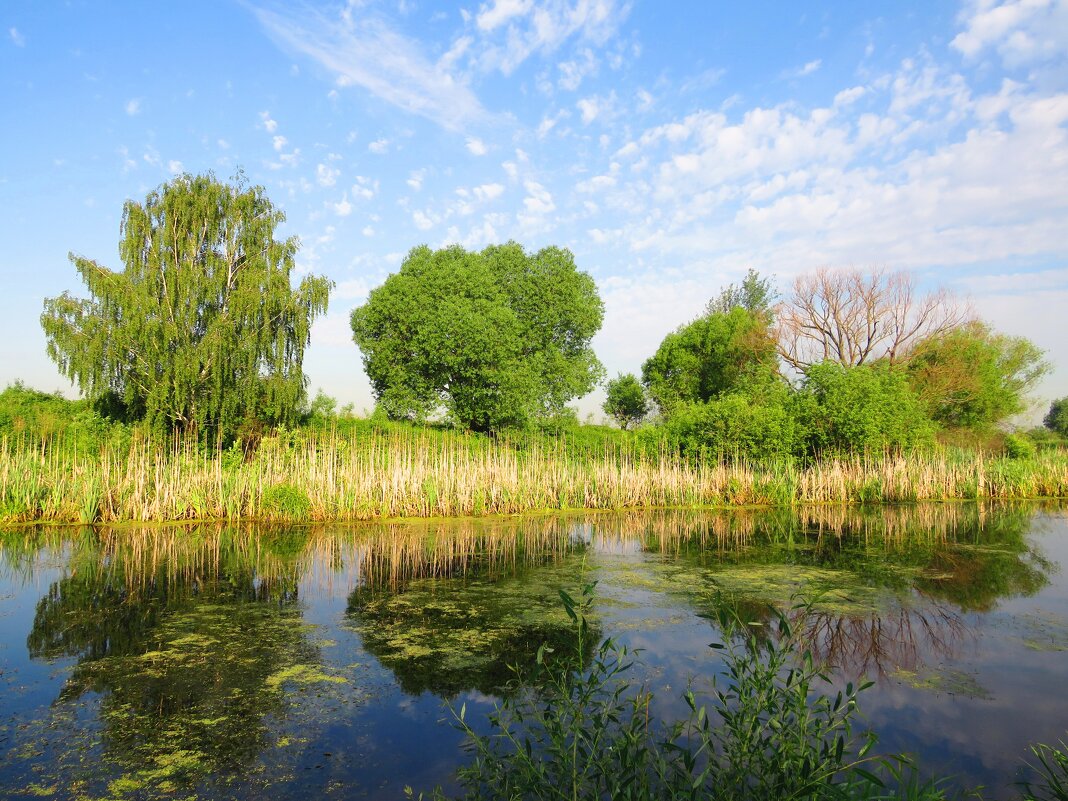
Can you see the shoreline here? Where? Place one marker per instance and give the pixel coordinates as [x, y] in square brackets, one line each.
[529, 514]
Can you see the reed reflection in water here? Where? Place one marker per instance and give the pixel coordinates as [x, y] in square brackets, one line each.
[193, 663]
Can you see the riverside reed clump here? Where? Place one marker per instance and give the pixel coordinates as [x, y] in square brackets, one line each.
[417, 473]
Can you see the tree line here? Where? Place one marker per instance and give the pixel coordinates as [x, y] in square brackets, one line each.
[202, 332]
[846, 360]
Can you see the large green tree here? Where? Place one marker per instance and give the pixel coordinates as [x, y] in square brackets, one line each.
[496, 338]
[202, 327]
[973, 377]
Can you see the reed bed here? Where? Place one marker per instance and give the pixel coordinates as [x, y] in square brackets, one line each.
[399, 475]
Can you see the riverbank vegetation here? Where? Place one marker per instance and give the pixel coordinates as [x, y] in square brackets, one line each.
[855, 386]
[92, 471]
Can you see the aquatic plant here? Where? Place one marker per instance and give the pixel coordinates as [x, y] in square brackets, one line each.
[1052, 769]
[764, 731]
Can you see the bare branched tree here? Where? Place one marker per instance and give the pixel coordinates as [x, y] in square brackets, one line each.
[853, 317]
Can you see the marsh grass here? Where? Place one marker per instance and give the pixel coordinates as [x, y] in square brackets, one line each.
[411, 473]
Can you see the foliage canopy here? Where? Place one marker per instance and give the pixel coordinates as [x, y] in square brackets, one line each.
[202, 327]
[862, 408]
[496, 338]
[715, 354]
[973, 377]
[1056, 419]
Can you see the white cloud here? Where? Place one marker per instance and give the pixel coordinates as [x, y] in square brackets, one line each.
[476, 146]
[599, 183]
[279, 143]
[343, 208]
[175, 167]
[574, 71]
[365, 187]
[539, 200]
[333, 328]
[422, 221]
[351, 289]
[17, 38]
[364, 51]
[809, 68]
[448, 61]
[325, 175]
[269, 124]
[548, 123]
[368, 231]
[1020, 31]
[487, 192]
[133, 107]
[849, 96]
[415, 179]
[501, 11]
[379, 146]
[596, 107]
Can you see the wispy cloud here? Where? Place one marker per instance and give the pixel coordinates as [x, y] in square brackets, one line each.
[514, 30]
[16, 37]
[133, 107]
[806, 69]
[367, 52]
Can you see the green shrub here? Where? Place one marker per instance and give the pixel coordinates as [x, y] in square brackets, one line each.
[1018, 446]
[286, 501]
[858, 409]
[764, 732]
[736, 425]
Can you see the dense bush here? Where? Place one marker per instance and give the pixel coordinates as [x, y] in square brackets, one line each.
[50, 419]
[973, 377]
[864, 408]
[737, 425]
[717, 354]
[1056, 419]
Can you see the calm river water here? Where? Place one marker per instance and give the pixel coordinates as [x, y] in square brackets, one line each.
[305, 662]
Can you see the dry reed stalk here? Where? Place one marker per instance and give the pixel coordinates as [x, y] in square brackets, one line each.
[412, 475]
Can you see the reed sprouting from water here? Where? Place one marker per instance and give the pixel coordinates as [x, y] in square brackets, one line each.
[415, 474]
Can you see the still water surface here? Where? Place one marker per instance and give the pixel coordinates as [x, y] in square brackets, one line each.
[230, 662]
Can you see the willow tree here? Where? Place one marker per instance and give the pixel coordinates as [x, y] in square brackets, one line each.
[202, 329]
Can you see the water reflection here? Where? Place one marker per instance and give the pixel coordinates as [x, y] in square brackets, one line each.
[192, 662]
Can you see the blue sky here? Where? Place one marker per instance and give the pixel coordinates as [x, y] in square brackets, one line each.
[671, 146]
